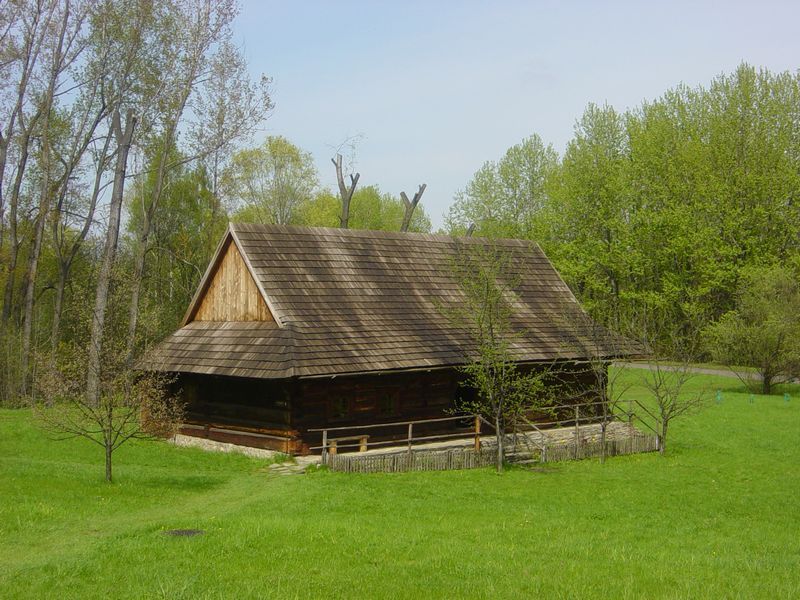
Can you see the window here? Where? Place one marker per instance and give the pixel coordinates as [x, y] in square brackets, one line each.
[338, 408]
[387, 404]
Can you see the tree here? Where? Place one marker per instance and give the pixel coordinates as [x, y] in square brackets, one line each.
[504, 199]
[598, 347]
[123, 137]
[198, 52]
[504, 391]
[409, 206]
[268, 184]
[763, 331]
[126, 406]
[345, 191]
[369, 209]
[670, 368]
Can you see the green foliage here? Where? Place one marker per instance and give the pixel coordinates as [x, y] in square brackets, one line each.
[268, 184]
[187, 225]
[716, 518]
[666, 205]
[504, 199]
[763, 331]
[369, 209]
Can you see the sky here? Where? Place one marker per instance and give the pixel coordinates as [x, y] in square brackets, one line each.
[431, 90]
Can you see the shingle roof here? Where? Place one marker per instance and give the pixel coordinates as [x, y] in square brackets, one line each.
[349, 301]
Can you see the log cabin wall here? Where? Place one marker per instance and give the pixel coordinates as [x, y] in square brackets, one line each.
[252, 412]
[373, 399]
[232, 293]
[288, 408]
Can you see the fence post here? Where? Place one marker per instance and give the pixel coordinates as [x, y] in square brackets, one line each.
[577, 432]
[477, 433]
[410, 435]
[324, 446]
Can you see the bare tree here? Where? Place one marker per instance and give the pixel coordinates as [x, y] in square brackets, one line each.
[345, 191]
[669, 371]
[596, 346]
[126, 406]
[410, 205]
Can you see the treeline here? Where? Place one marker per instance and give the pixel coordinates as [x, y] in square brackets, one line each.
[663, 208]
[112, 115]
[124, 134]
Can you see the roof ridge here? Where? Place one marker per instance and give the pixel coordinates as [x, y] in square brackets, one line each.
[372, 233]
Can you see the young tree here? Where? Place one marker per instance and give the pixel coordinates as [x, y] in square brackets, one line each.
[763, 331]
[504, 391]
[599, 346]
[126, 405]
[670, 369]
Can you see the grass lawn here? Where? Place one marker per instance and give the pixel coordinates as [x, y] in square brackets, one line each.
[718, 517]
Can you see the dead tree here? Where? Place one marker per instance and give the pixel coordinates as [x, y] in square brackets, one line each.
[344, 191]
[410, 206]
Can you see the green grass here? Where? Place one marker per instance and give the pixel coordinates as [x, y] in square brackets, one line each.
[718, 517]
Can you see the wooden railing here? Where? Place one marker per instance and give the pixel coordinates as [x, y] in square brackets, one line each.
[580, 414]
[331, 445]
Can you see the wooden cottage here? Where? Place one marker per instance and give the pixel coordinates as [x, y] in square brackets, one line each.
[293, 329]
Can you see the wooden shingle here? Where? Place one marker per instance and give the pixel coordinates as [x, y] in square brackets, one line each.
[349, 301]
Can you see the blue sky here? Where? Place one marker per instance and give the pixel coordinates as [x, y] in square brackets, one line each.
[434, 89]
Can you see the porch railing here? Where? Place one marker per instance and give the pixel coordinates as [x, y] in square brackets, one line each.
[331, 444]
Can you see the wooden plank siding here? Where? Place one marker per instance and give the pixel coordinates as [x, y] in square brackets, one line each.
[232, 293]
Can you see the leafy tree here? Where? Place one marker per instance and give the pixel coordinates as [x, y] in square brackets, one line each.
[504, 391]
[763, 331]
[504, 199]
[187, 226]
[269, 184]
[587, 232]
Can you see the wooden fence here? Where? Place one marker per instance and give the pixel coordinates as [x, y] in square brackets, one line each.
[469, 458]
[630, 445]
[416, 460]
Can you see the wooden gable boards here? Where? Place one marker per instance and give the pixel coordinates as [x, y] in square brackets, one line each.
[228, 291]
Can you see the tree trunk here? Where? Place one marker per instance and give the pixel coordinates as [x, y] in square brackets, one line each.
[136, 290]
[500, 443]
[124, 140]
[603, 426]
[109, 450]
[30, 284]
[11, 268]
[766, 383]
[662, 437]
[409, 206]
[55, 334]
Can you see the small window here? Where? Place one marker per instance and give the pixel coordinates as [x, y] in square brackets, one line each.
[338, 408]
[387, 405]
